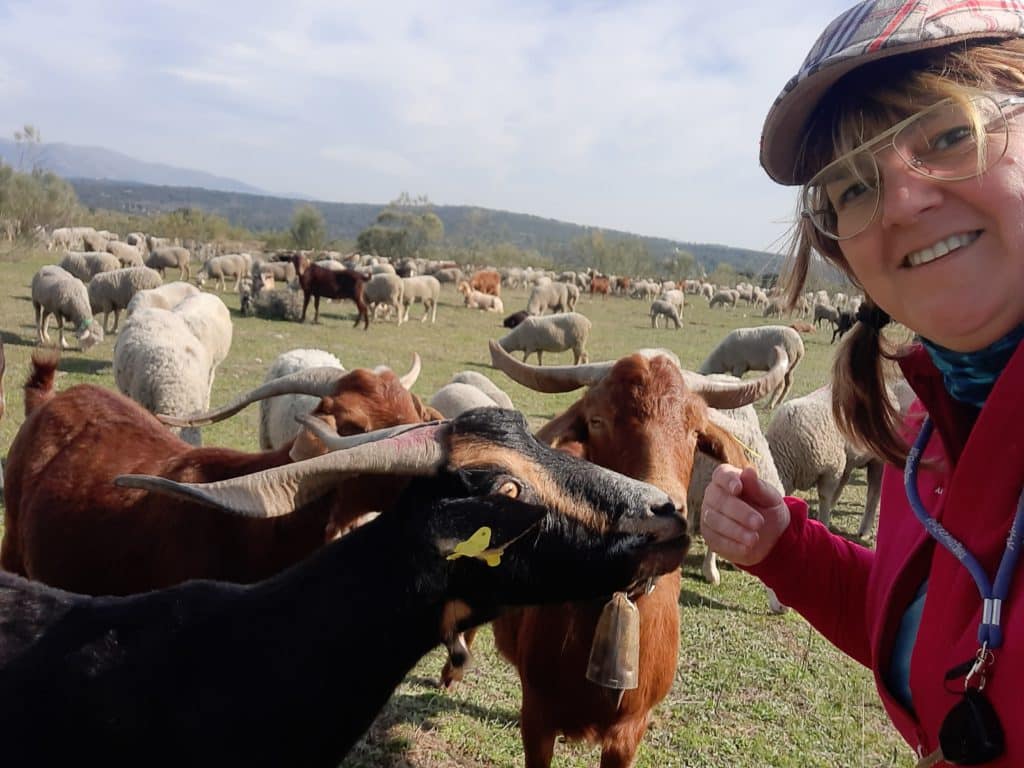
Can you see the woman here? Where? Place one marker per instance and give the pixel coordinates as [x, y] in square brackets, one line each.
[905, 129]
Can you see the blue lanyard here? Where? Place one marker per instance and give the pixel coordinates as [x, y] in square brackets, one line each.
[989, 631]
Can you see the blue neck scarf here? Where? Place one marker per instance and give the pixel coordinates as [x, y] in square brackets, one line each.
[969, 376]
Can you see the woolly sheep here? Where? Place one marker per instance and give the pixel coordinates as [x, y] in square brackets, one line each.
[548, 296]
[662, 308]
[551, 333]
[278, 415]
[55, 291]
[127, 254]
[423, 288]
[753, 349]
[164, 256]
[809, 451]
[165, 359]
[479, 300]
[219, 268]
[726, 297]
[113, 291]
[84, 265]
[825, 312]
[166, 296]
[385, 291]
[466, 390]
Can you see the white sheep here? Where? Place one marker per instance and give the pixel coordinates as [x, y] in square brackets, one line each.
[550, 333]
[55, 291]
[809, 451]
[548, 296]
[127, 255]
[424, 288]
[163, 256]
[85, 264]
[466, 390]
[385, 291]
[753, 349]
[278, 423]
[220, 268]
[726, 297]
[662, 308]
[480, 300]
[164, 297]
[113, 291]
[165, 359]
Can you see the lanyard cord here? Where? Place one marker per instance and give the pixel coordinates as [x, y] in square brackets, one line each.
[989, 630]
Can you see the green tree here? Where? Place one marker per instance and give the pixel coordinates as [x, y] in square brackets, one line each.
[37, 199]
[308, 228]
[406, 228]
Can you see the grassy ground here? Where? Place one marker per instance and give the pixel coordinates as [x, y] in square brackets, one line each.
[751, 690]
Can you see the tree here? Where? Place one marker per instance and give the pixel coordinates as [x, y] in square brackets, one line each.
[405, 229]
[308, 229]
[29, 142]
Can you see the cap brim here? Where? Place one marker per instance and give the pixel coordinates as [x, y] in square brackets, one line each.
[783, 131]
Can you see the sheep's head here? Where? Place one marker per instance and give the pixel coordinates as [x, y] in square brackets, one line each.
[90, 334]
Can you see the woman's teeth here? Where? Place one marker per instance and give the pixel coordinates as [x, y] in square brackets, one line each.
[941, 248]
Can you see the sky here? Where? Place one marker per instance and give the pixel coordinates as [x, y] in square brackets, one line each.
[642, 117]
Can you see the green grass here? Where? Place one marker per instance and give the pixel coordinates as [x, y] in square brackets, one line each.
[751, 689]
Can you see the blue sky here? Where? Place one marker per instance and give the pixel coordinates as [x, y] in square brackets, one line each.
[640, 116]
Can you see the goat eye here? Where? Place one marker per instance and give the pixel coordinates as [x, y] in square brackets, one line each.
[509, 488]
[595, 423]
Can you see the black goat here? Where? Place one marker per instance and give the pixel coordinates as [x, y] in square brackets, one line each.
[292, 670]
[319, 281]
[515, 318]
[845, 323]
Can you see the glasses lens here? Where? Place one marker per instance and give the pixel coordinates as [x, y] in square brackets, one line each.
[953, 141]
[841, 200]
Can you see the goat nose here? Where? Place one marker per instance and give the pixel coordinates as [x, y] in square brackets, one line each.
[665, 509]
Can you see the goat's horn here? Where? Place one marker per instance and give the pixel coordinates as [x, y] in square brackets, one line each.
[336, 442]
[318, 382]
[414, 373]
[736, 394]
[280, 490]
[551, 378]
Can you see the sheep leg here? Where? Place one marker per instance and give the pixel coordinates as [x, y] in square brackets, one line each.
[710, 568]
[829, 489]
[117, 314]
[60, 325]
[874, 470]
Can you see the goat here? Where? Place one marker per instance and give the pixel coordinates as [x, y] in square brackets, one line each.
[645, 417]
[67, 525]
[332, 284]
[515, 318]
[844, 323]
[214, 674]
[486, 281]
[599, 284]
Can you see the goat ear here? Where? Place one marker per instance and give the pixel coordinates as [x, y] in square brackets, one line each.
[426, 412]
[565, 429]
[482, 528]
[719, 444]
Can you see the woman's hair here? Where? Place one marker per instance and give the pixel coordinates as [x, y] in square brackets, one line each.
[860, 106]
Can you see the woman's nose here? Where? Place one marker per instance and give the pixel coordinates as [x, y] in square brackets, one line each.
[905, 193]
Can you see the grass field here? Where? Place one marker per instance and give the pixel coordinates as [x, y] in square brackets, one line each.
[751, 690]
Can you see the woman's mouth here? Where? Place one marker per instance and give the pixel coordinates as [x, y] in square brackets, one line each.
[941, 248]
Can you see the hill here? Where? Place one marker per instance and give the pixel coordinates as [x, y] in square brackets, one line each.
[71, 161]
[464, 225]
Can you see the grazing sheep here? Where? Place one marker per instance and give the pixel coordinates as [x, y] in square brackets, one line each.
[127, 254]
[385, 290]
[753, 349]
[825, 312]
[422, 288]
[166, 296]
[726, 298]
[113, 291]
[220, 268]
[551, 333]
[55, 291]
[662, 308]
[164, 256]
[210, 674]
[283, 271]
[85, 265]
[165, 359]
[548, 296]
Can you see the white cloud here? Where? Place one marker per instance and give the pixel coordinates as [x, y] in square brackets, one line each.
[370, 159]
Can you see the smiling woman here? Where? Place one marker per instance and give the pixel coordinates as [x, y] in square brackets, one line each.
[903, 129]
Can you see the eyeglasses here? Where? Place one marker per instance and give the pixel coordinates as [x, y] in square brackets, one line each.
[948, 141]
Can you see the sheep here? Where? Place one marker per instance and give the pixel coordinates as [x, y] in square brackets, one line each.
[165, 359]
[825, 312]
[385, 291]
[85, 265]
[219, 268]
[208, 673]
[572, 296]
[163, 256]
[55, 291]
[113, 291]
[662, 308]
[549, 296]
[128, 255]
[164, 297]
[467, 390]
[478, 300]
[283, 271]
[553, 333]
[422, 288]
[278, 304]
[809, 451]
[752, 349]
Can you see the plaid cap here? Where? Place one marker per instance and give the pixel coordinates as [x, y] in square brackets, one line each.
[869, 31]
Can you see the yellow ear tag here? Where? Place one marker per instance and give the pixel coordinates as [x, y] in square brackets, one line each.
[476, 546]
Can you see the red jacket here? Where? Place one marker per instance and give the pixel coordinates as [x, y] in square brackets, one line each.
[857, 596]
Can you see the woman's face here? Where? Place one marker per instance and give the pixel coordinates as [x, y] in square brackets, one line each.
[970, 296]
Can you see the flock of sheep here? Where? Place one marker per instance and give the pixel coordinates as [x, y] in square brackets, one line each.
[175, 335]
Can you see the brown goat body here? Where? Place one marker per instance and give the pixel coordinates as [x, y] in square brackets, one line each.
[600, 284]
[486, 281]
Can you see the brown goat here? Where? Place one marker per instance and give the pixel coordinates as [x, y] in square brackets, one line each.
[319, 281]
[66, 523]
[486, 281]
[642, 418]
[600, 284]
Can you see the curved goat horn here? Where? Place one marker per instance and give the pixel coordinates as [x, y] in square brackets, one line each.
[318, 382]
[414, 373]
[419, 451]
[550, 378]
[736, 394]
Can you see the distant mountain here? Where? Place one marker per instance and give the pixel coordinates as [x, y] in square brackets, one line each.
[463, 225]
[74, 162]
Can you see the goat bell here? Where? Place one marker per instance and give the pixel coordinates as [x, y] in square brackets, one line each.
[615, 651]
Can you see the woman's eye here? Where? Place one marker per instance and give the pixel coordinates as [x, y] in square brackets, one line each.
[509, 488]
[951, 138]
[851, 194]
